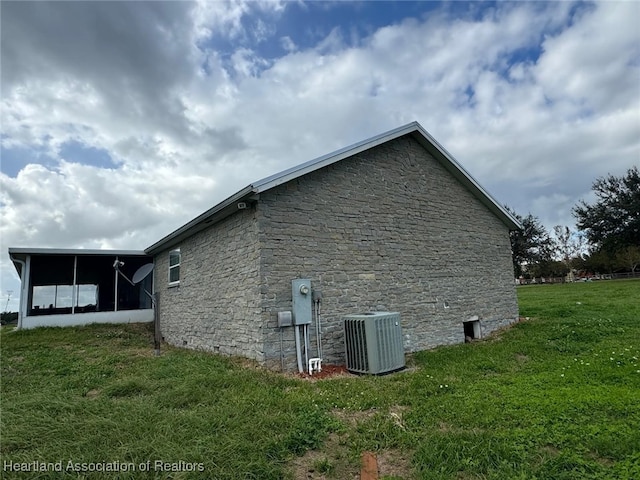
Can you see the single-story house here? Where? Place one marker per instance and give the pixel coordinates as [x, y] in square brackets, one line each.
[61, 287]
[391, 224]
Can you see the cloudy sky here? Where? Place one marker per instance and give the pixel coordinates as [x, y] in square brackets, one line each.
[121, 121]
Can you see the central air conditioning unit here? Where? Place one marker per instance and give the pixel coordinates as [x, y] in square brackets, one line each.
[373, 342]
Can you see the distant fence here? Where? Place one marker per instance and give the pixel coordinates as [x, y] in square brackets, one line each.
[546, 280]
[539, 280]
[626, 275]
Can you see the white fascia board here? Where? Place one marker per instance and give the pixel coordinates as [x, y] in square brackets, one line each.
[71, 251]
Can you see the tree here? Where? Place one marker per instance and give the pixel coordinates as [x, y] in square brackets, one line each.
[569, 247]
[599, 261]
[8, 317]
[548, 268]
[531, 245]
[613, 221]
[629, 257]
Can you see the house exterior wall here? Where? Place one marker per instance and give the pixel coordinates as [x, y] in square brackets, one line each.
[386, 230]
[216, 306]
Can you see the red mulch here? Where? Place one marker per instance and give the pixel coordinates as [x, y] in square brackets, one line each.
[327, 372]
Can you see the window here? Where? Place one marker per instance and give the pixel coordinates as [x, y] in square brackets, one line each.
[174, 267]
[44, 296]
[86, 298]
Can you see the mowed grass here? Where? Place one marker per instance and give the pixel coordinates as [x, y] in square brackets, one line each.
[553, 397]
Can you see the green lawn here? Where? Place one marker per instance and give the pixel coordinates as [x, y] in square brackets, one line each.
[554, 397]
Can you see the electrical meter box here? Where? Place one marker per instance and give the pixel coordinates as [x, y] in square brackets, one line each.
[302, 301]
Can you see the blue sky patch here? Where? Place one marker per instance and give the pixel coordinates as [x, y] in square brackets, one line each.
[77, 152]
[16, 158]
[304, 25]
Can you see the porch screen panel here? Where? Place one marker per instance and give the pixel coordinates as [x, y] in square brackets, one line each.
[132, 297]
[51, 284]
[95, 273]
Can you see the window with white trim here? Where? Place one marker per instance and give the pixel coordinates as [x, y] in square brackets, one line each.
[174, 267]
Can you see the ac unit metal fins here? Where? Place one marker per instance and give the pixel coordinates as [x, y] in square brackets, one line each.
[373, 343]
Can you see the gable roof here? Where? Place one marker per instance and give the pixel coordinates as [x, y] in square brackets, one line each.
[234, 202]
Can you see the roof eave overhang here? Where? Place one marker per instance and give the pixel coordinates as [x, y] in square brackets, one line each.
[229, 206]
[19, 254]
[320, 162]
[70, 251]
[425, 139]
[464, 177]
[210, 217]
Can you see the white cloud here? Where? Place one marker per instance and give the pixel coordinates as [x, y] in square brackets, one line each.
[588, 63]
[288, 44]
[187, 125]
[225, 19]
[556, 208]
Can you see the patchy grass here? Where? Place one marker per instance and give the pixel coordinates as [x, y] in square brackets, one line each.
[552, 397]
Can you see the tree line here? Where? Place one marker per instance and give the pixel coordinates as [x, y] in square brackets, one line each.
[607, 239]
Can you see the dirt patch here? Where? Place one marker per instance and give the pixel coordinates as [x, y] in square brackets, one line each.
[444, 427]
[328, 371]
[92, 393]
[330, 463]
[352, 418]
[395, 463]
[333, 462]
[336, 460]
[396, 412]
[607, 462]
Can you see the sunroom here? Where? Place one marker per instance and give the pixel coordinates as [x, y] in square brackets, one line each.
[61, 287]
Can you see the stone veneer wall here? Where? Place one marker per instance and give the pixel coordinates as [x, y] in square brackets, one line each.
[388, 230]
[216, 307]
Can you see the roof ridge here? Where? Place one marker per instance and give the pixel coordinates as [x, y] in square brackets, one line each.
[237, 201]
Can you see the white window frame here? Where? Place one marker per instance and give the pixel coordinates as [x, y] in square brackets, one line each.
[173, 267]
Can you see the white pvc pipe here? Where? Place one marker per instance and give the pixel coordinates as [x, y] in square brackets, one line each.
[316, 308]
[306, 344]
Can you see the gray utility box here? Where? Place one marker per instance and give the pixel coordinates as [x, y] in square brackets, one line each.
[301, 295]
[373, 342]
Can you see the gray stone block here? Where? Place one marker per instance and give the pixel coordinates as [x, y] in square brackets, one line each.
[387, 229]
